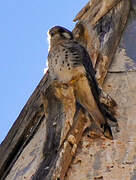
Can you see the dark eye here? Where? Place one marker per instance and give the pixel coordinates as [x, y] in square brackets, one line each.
[52, 33]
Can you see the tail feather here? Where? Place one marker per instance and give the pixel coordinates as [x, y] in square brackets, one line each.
[107, 113]
[107, 131]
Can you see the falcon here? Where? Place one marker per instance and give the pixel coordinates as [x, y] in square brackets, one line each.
[69, 63]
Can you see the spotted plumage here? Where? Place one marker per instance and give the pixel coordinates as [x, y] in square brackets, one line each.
[69, 62]
[64, 61]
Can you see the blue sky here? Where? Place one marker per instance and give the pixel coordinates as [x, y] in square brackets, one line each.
[24, 48]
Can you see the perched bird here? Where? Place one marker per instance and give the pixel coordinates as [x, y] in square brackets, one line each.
[70, 63]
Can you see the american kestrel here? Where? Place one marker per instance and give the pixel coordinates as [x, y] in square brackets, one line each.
[69, 63]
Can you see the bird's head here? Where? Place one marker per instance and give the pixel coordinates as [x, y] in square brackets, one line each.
[58, 33]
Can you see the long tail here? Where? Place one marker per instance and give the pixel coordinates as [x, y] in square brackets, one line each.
[86, 98]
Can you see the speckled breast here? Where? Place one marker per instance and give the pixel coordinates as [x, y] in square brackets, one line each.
[64, 64]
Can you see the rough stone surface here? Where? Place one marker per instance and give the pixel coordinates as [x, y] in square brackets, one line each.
[99, 158]
[95, 157]
[30, 158]
[111, 160]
